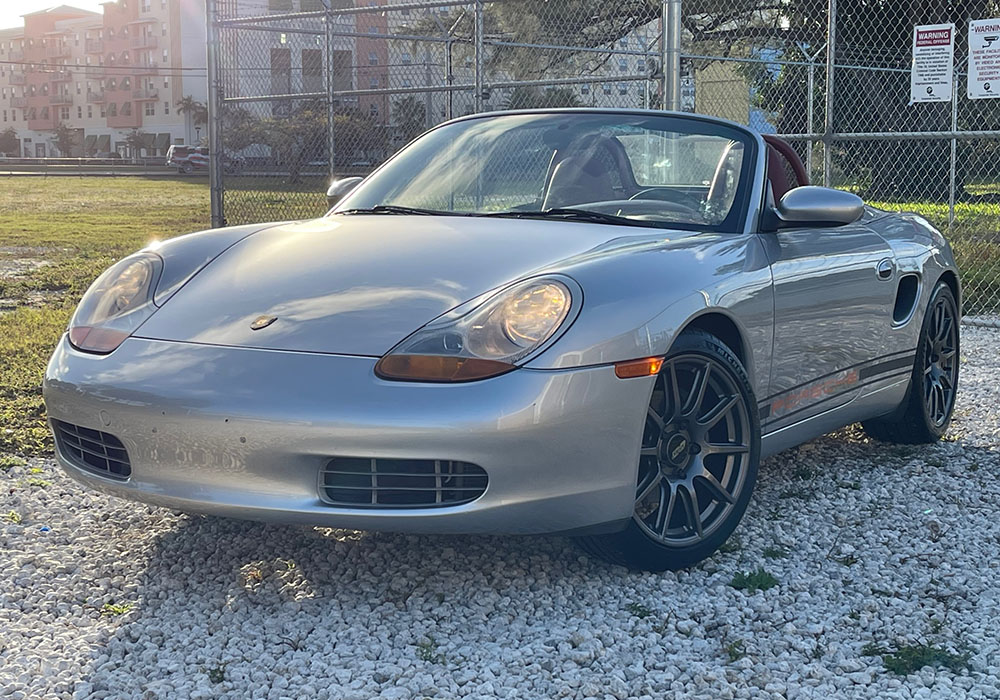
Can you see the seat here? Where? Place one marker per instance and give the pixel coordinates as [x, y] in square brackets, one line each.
[785, 170]
[578, 179]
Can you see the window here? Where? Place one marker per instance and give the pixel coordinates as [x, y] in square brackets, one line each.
[112, 83]
[607, 88]
[373, 111]
[127, 109]
[78, 88]
[64, 113]
[150, 109]
[640, 65]
[406, 83]
[79, 112]
[5, 115]
[166, 108]
[166, 83]
[90, 112]
[622, 89]
[165, 60]
[373, 83]
[112, 110]
[406, 59]
[45, 112]
[584, 89]
[372, 58]
[623, 65]
[163, 28]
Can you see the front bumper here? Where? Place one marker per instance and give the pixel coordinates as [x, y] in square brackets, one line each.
[243, 433]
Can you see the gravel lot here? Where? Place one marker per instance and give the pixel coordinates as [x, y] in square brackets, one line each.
[874, 548]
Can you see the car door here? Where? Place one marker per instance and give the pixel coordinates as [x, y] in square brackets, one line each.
[833, 292]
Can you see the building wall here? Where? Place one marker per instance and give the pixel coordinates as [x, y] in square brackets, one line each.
[104, 74]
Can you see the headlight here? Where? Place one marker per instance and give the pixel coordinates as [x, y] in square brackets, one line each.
[117, 303]
[488, 340]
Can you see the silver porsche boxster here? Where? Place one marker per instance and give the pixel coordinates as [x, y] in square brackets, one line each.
[589, 322]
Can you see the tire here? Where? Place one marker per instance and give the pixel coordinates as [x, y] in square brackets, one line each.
[926, 412]
[187, 168]
[701, 404]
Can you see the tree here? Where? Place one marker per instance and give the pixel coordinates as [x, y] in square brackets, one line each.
[410, 117]
[530, 97]
[191, 108]
[195, 113]
[66, 139]
[295, 139]
[9, 143]
[137, 141]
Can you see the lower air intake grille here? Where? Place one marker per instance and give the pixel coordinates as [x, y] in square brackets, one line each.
[93, 450]
[357, 482]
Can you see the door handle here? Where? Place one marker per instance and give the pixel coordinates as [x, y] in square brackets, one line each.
[885, 269]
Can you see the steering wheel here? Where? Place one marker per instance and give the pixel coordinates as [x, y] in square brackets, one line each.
[688, 201]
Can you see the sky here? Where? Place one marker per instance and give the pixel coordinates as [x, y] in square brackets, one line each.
[11, 10]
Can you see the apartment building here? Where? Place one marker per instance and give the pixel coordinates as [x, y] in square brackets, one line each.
[104, 75]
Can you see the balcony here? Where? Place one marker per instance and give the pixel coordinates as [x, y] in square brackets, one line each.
[143, 42]
[61, 99]
[58, 51]
[94, 46]
[60, 76]
[95, 97]
[20, 102]
[18, 79]
[146, 94]
[15, 55]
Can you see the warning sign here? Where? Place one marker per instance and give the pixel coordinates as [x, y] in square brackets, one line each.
[933, 63]
[984, 59]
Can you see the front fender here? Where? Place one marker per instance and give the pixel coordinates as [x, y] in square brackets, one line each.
[638, 298]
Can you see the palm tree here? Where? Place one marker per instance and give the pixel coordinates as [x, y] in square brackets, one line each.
[195, 113]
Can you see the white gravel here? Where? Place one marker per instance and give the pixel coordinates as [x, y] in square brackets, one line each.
[886, 545]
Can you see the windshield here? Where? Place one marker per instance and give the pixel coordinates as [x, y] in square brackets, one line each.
[647, 169]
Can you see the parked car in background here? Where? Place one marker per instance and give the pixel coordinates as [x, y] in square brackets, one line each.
[187, 159]
[593, 322]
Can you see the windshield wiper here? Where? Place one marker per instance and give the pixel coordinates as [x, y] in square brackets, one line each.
[395, 209]
[570, 214]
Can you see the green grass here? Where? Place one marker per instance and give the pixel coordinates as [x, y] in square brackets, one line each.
[79, 226]
[975, 239]
[759, 580]
[910, 659]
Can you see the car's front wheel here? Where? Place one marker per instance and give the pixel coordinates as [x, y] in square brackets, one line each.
[697, 462]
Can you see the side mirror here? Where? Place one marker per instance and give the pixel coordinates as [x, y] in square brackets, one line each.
[340, 189]
[816, 206]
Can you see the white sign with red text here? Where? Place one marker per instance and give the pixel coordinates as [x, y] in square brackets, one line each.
[933, 63]
[984, 59]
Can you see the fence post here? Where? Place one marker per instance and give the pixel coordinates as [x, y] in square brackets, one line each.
[214, 116]
[954, 154]
[671, 18]
[480, 59]
[330, 136]
[831, 52]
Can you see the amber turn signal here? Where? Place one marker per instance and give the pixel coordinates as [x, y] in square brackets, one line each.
[638, 368]
[438, 368]
[99, 340]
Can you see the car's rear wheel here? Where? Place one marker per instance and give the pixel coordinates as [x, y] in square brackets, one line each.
[697, 462]
[187, 168]
[927, 409]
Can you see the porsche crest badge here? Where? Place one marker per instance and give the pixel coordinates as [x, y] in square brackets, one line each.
[262, 322]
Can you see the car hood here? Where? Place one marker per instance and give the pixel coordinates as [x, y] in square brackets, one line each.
[359, 284]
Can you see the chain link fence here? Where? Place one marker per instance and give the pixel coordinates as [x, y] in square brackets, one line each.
[309, 90]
